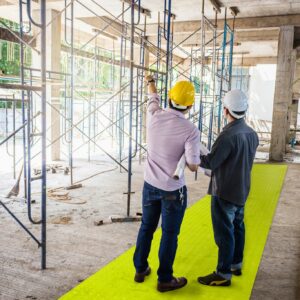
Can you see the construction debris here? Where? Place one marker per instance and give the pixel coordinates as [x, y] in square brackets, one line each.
[98, 223]
[63, 220]
[16, 188]
[74, 186]
[54, 169]
[125, 219]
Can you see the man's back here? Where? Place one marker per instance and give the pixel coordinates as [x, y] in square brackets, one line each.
[233, 155]
[169, 135]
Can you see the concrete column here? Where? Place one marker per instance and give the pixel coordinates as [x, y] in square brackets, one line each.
[53, 50]
[53, 64]
[296, 97]
[291, 106]
[283, 92]
[295, 101]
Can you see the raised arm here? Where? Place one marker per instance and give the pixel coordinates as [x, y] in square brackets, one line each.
[151, 84]
[153, 102]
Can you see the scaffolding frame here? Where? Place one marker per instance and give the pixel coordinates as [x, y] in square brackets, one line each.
[123, 108]
[26, 129]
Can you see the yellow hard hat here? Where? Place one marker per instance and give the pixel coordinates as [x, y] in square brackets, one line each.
[183, 93]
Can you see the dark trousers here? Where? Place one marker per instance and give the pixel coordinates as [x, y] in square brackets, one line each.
[171, 206]
[229, 233]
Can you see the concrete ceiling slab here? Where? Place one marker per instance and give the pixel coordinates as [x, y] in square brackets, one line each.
[258, 44]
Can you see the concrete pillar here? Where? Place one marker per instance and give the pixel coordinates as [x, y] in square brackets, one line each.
[53, 50]
[53, 64]
[291, 106]
[283, 92]
[296, 97]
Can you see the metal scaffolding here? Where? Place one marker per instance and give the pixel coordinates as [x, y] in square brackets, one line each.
[27, 128]
[211, 72]
[102, 91]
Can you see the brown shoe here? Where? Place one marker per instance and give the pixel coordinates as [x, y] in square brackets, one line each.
[140, 277]
[174, 284]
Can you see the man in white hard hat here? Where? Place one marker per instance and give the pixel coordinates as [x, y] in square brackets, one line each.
[230, 160]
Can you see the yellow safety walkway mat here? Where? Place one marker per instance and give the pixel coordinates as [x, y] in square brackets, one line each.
[197, 252]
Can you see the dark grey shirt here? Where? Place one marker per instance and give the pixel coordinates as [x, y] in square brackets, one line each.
[231, 160]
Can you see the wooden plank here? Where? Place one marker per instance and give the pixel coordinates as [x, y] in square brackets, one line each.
[6, 35]
[216, 5]
[10, 86]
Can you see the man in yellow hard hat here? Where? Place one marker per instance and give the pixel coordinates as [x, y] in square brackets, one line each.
[169, 136]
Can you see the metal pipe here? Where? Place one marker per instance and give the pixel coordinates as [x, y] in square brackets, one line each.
[231, 54]
[43, 127]
[214, 65]
[139, 13]
[29, 15]
[52, 20]
[130, 108]
[28, 136]
[120, 85]
[142, 61]
[14, 140]
[168, 49]
[6, 127]
[23, 97]
[202, 69]
[66, 19]
[158, 45]
[95, 85]
[222, 73]
[71, 96]
[21, 224]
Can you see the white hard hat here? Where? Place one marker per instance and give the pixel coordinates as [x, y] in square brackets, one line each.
[236, 102]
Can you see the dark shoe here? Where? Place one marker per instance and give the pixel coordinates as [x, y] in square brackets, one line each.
[214, 279]
[140, 277]
[174, 284]
[236, 272]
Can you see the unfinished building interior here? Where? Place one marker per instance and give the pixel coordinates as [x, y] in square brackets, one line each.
[73, 145]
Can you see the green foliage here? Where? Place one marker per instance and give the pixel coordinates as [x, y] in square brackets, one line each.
[10, 53]
[9, 104]
[10, 58]
[12, 25]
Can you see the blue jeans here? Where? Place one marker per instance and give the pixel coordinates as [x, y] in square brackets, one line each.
[171, 207]
[229, 232]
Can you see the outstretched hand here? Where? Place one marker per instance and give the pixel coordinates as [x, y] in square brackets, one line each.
[148, 78]
[151, 86]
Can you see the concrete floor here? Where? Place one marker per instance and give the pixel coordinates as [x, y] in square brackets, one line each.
[77, 248]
